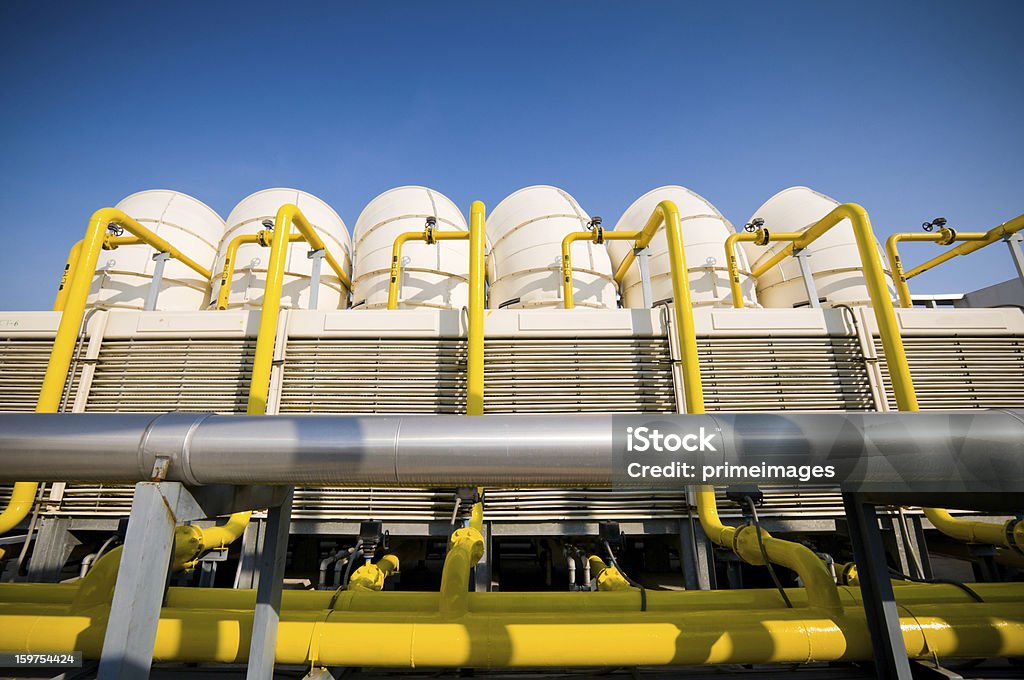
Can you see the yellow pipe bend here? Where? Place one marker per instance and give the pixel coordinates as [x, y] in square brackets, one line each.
[262, 237]
[609, 577]
[372, 576]
[974, 242]
[71, 301]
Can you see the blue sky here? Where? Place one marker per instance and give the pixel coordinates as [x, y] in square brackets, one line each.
[912, 109]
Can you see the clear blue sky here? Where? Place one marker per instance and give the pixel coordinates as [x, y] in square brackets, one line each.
[912, 109]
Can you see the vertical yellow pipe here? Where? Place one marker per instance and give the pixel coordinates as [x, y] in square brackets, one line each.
[475, 358]
[65, 279]
[396, 265]
[567, 284]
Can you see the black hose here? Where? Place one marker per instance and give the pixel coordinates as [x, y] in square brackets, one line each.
[764, 552]
[615, 563]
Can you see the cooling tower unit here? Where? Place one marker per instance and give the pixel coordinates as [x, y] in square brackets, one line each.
[433, 275]
[124, 275]
[526, 232]
[704, 234]
[834, 260]
[250, 273]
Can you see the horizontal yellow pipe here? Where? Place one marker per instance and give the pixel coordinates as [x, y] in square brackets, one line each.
[401, 639]
[991, 236]
[1009, 534]
[943, 237]
[760, 237]
[43, 595]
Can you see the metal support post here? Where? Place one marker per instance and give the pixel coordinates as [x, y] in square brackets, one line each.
[142, 578]
[270, 574]
[482, 570]
[1013, 242]
[314, 278]
[643, 263]
[252, 544]
[53, 547]
[883, 619]
[805, 272]
[154, 284]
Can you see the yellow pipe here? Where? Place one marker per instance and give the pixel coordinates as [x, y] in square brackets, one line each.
[465, 549]
[262, 237]
[396, 255]
[991, 236]
[72, 307]
[760, 237]
[475, 340]
[609, 577]
[372, 576]
[401, 639]
[52, 594]
[595, 236]
[69, 272]
[1009, 534]
[943, 237]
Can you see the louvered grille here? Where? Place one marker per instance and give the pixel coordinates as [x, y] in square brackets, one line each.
[158, 375]
[172, 375]
[596, 375]
[374, 376]
[22, 366]
[784, 374]
[951, 372]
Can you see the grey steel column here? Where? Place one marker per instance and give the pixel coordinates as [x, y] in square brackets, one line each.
[1013, 243]
[270, 574]
[154, 284]
[643, 263]
[314, 278]
[883, 617]
[805, 272]
[142, 579]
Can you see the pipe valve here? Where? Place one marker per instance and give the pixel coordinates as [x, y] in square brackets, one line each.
[937, 223]
[754, 225]
[428, 230]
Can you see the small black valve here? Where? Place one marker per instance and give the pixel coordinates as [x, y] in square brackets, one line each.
[268, 223]
[753, 225]
[594, 222]
[937, 223]
[115, 229]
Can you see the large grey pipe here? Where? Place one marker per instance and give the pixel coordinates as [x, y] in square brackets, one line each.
[920, 451]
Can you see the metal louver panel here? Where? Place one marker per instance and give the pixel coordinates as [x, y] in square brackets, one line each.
[586, 375]
[951, 372]
[22, 366]
[172, 375]
[374, 376]
[157, 375]
[784, 374]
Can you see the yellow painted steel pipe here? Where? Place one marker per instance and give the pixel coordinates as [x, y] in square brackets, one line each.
[262, 237]
[760, 237]
[44, 595]
[72, 306]
[994, 234]
[465, 549]
[475, 340]
[69, 272]
[427, 236]
[822, 592]
[943, 237]
[609, 577]
[874, 276]
[372, 576]
[1009, 534]
[598, 235]
[398, 639]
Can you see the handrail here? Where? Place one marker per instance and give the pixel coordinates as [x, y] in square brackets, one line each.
[943, 237]
[262, 237]
[71, 301]
[1004, 230]
[428, 236]
[598, 236]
